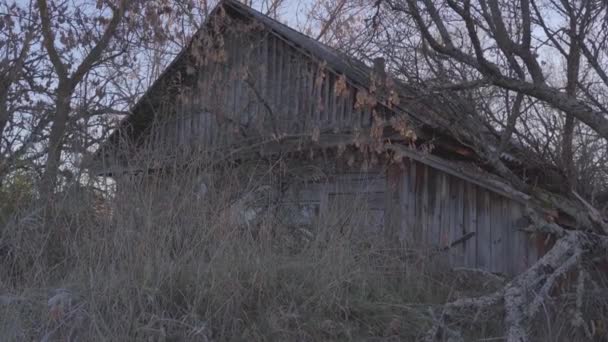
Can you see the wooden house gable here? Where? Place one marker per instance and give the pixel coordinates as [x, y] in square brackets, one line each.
[247, 84]
[243, 85]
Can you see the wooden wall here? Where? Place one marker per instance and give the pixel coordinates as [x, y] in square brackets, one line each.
[437, 209]
[249, 84]
[347, 197]
[427, 210]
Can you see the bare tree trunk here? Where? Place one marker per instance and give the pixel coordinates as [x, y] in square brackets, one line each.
[55, 149]
[50, 176]
[572, 71]
[65, 90]
[67, 83]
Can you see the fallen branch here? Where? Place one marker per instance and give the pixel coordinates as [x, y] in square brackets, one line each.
[523, 296]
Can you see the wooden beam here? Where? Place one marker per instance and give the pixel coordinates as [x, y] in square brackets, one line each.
[476, 177]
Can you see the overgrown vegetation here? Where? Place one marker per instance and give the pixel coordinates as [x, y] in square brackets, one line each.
[521, 85]
[165, 261]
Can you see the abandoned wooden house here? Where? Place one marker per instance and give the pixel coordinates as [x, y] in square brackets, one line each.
[253, 87]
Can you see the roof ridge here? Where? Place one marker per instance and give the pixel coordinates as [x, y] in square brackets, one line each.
[278, 25]
[269, 18]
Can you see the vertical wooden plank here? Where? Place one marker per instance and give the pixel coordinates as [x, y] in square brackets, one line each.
[323, 100]
[452, 221]
[327, 91]
[164, 131]
[444, 213]
[357, 112]
[423, 199]
[271, 83]
[153, 137]
[159, 136]
[200, 135]
[160, 122]
[250, 72]
[394, 179]
[522, 251]
[210, 118]
[434, 208]
[339, 109]
[187, 117]
[470, 225]
[289, 94]
[404, 232]
[429, 205]
[349, 102]
[172, 120]
[209, 130]
[170, 125]
[303, 94]
[498, 235]
[509, 233]
[316, 97]
[311, 100]
[177, 123]
[414, 203]
[258, 66]
[202, 86]
[270, 69]
[192, 114]
[409, 203]
[233, 57]
[278, 88]
[159, 132]
[174, 128]
[223, 108]
[303, 103]
[196, 121]
[195, 133]
[449, 221]
[484, 232]
[300, 118]
[238, 66]
[239, 114]
[202, 130]
[457, 221]
[333, 104]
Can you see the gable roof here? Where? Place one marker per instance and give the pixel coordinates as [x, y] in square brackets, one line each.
[355, 71]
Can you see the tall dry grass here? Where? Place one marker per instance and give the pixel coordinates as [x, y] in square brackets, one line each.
[164, 259]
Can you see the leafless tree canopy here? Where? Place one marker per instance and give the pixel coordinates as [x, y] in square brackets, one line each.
[531, 72]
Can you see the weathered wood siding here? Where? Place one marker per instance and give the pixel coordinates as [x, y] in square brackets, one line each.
[250, 84]
[343, 198]
[437, 209]
[247, 85]
[426, 209]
